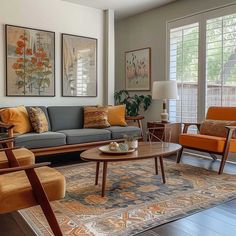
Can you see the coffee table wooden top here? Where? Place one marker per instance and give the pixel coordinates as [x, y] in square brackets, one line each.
[145, 150]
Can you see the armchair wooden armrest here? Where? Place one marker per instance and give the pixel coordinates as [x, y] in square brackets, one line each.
[6, 126]
[20, 168]
[187, 125]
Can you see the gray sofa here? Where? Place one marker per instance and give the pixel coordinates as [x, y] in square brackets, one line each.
[66, 132]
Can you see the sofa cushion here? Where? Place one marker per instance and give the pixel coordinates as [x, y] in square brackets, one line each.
[35, 140]
[44, 109]
[38, 119]
[116, 115]
[206, 142]
[66, 117]
[96, 117]
[118, 132]
[75, 136]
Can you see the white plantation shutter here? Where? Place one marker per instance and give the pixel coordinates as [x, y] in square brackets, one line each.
[221, 61]
[183, 67]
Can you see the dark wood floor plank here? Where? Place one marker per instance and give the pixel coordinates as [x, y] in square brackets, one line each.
[212, 223]
[170, 231]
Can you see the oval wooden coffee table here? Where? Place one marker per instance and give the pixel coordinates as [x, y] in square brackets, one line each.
[145, 150]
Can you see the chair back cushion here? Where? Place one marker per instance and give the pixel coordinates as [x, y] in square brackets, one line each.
[66, 117]
[216, 127]
[221, 113]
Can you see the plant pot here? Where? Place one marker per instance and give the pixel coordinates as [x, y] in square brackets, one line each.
[132, 144]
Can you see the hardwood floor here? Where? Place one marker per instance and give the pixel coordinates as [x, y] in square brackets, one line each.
[217, 221]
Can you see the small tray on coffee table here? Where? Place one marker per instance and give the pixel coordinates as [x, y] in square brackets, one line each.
[106, 149]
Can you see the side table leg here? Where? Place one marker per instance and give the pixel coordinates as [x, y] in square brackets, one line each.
[162, 170]
[97, 172]
[156, 165]
[104, 178]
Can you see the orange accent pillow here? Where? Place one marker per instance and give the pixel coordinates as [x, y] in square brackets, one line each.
[17, 116]
[116, 115]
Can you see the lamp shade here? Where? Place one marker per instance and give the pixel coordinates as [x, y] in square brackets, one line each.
[165, 90]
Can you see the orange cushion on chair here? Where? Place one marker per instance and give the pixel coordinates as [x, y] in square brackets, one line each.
[23, 156]
[16, 192]
[205, 142]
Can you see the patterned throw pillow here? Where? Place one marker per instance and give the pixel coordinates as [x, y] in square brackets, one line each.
[96, 117]
[216, 127]
[38, 119]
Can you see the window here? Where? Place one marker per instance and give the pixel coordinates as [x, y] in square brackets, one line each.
[184, 69]
[202, 59]
[221, 61]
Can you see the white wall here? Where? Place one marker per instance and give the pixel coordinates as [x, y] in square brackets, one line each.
[149, 30]
[60, 17]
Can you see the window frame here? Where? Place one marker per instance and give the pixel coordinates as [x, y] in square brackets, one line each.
[200, 18]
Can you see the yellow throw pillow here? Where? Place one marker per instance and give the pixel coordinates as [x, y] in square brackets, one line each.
[95, 117]
[116, 115]
[17, 116]
[38, 119]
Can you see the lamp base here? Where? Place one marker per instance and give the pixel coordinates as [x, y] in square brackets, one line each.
[164, 117]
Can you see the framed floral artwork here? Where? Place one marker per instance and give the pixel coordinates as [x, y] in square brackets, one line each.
[79, 66]
[30, 62]
[138, 70]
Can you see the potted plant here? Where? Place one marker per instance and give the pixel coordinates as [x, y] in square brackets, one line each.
[133, 103]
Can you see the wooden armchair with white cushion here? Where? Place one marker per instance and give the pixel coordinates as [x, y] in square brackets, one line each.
[216, 135]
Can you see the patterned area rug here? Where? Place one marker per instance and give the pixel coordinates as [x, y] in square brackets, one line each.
[136, 199]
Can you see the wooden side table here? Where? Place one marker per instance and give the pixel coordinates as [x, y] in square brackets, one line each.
[158, 129]
[137, 119]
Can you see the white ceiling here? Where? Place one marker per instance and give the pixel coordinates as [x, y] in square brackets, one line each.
[123, 8]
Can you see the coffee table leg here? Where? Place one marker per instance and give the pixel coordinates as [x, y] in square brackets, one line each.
[162, 169]
[104, 178]
[156, 165]
[97, 172]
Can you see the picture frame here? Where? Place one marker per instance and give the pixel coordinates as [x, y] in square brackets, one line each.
[79, 66]
[138, 69]
[30, 62]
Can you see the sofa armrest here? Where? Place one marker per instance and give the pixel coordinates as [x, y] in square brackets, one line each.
[187, 125]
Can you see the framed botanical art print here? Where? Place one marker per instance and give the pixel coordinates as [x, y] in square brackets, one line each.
[138, 69]
[30, 62]
[79, 66]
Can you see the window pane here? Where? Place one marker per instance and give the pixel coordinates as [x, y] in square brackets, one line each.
[183, 67]
[221, 61]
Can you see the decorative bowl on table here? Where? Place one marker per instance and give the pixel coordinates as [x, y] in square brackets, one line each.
[115, 148]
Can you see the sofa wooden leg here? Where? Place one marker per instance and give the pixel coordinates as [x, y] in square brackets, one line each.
[222, 163]
[179, 155]
[43, 201]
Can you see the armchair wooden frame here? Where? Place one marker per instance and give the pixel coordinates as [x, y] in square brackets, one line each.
[224, 154]
[37, 187]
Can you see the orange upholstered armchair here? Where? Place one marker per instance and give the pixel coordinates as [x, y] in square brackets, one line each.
[24, 184]
[221, 145]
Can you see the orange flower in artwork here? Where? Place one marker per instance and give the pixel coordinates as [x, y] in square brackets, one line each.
[20, 60]
[39, 64]
[16, 66]
[33, 60]
[19, 51]
[43, 54]
[41, 49]
[20, 44]
[29, 51]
